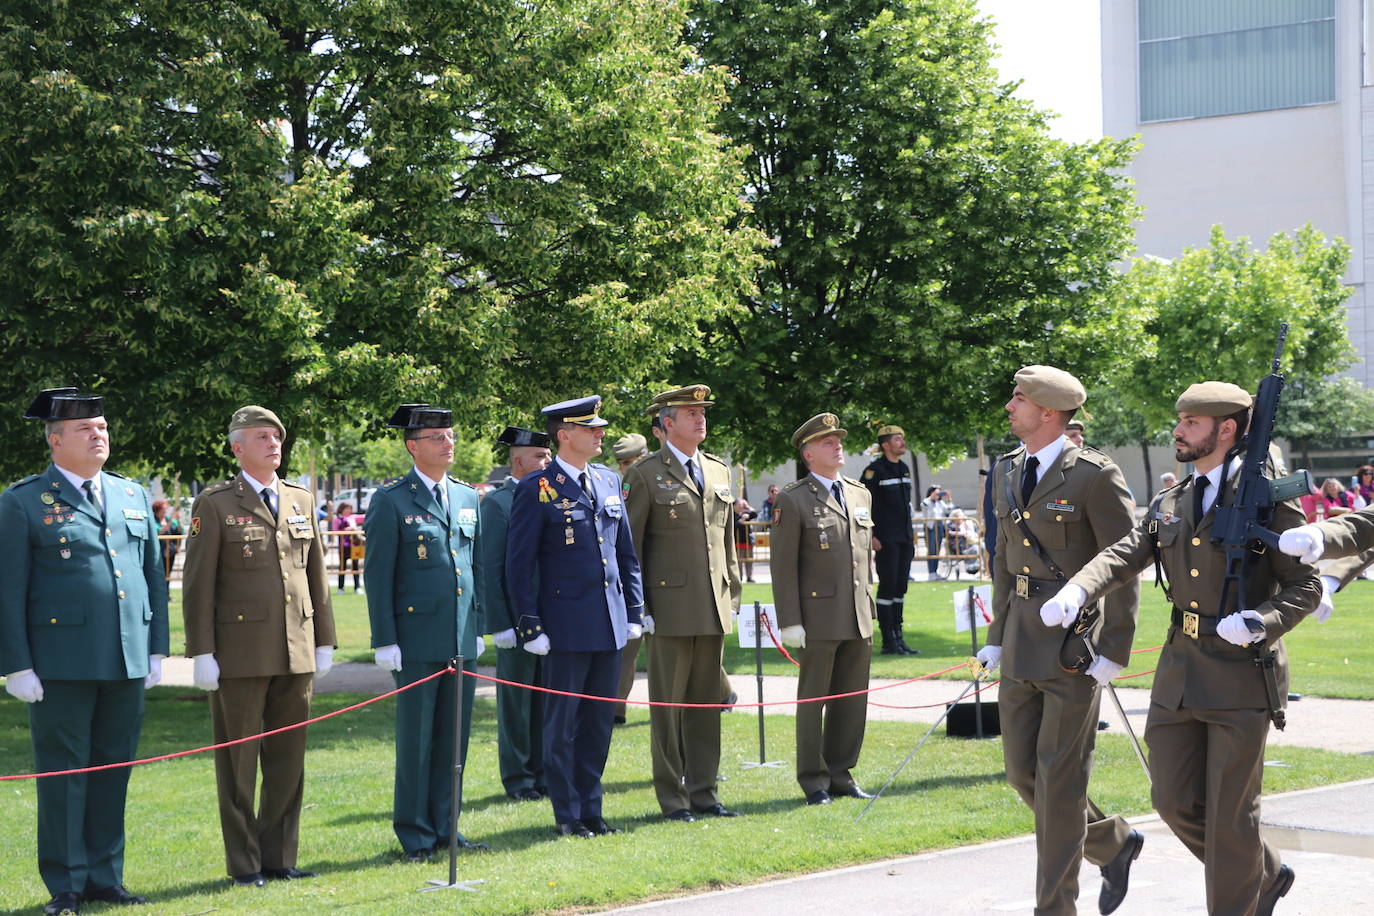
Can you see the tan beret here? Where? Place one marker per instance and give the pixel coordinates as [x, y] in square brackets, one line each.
[891, 430]
[822, 424]
[1213, 399]
[1074, 424]
[1051, 387]
[631, 446]
[690, 396]
[253, 416]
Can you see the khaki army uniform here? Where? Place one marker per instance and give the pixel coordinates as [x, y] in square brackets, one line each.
[256, 597]
[1349, 541]
[821, 560]
[685, 541]
[1049, 717]
[1208, 721]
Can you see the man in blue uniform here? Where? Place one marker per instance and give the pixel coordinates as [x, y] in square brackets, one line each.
[83, 632]
[576, 594]
[423, 598]
[888, 479]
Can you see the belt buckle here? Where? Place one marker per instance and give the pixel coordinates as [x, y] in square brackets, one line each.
[1190, 624]
[1023, 586]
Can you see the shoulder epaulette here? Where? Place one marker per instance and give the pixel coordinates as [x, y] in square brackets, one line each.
[391, 484]
[1013, 453]
[296, 485]
[217, 487]
[853, 481]
[461, 482]
[1093, 456]
[794, 484]
[715, 458]
[120, 476]
[27, 480]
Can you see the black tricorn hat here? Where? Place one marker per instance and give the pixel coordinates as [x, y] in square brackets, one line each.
[420, 416]
[64, 404]
[518, 435]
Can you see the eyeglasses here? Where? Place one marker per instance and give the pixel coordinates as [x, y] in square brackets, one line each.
[438, 437]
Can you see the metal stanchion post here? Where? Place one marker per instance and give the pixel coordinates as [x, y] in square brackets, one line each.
[453, 883]
[758, 677]
[977, 694]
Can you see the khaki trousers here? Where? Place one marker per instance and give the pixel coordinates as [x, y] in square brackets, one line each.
[831, 734]
[685, 743]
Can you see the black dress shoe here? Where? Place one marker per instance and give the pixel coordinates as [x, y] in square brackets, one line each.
[718, 810]
[1282, 882]
[575, 828]
[1116, 874]
[441, 845]
[890, 648]
[289, 873]
[681, 814]
[65, 902]
[818, 797]
[114, 894]
[618, 720]
[598, 826]
[252, 879]
[420, 855]
[854, 792]
[526, 794]
[904, 649]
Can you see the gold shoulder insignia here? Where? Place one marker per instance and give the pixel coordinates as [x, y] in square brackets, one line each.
[715, 458]
[793, 485]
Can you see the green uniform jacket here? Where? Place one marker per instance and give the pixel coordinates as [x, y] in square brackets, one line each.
[685, 542]
[255, 594]
[1209, 672]
[81, 598]
[423, 592]
[1080, 507]
[821, 560]
[491, 557]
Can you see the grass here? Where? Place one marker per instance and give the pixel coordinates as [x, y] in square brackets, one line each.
[952, 793]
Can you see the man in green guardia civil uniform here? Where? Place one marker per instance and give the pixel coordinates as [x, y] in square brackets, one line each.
[424, 600]
[83, 632]
[519, 712]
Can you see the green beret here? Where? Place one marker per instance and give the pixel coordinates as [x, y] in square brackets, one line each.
[1051, 387]
[822, 424]
[631, 446]
[690, 396]
[253, 416]
[1213, 399]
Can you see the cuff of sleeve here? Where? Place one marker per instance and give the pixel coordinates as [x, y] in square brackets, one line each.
[529, 627]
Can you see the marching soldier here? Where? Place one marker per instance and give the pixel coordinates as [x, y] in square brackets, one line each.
[1209, 709]
[1074, 431]
[83, 632]
[888, 479]
[681, 511]
[423, 599]
[821, 552]
[519, 712]
[260, 627]
[1057, 505]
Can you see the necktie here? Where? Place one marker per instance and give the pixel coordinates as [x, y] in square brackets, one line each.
[90, 494]
[1029, 480]
[439, 498]
[838, 492]
[587, 488]
[267, 495]
[694, 472]
[1199, 497]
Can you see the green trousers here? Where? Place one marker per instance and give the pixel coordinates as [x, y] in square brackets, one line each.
[423, 800]
[520, 721]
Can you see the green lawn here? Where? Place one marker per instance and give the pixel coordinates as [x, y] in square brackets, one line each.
[952, 793]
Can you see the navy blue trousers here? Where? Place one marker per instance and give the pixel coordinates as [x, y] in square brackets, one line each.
[577, 733]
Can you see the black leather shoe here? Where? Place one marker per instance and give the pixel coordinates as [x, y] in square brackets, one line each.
[115, 894]
[718, 810]
[420, 855]
[818, 797]
[598, 826]
[65, 902]
[252, 879]
[618, 720]
[681, 814]
[526, 794]
[889, 648]
[441, 845]
[854, 792]
[1282, 882]
[575, 828]
[1116, 874]
[904, 649]
[290, 873]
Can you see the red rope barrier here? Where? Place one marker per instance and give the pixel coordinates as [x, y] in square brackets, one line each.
[768, 624]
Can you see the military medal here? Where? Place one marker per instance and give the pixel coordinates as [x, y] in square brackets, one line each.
[46, 498]
[825, 540]
[229, 520]
[560, 478]
[568, 535]
[421, 551]
[47, 519]
[672, 513]
[66, 553]
[247, 550]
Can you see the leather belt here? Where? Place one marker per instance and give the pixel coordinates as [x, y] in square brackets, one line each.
[1193, 624]
[1027, 587]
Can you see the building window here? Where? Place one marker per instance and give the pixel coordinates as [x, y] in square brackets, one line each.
[1201, 58]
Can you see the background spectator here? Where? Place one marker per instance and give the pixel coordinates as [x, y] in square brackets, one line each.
[345, 520]
[935, 508]
[766, 513]
[744, 536]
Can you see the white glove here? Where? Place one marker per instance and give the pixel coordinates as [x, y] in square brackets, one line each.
[648, 624]
[1232, 628]
[1305, 542]
[505, 639]
[1062, 609]
[481, 647]
[1328, 602]
[24, 685]
[205, 672]
[794, 636]
[990, 656]
[634, 630]
[324, 660]
[154, 671]
[539, 645]
[388, 658]
[1103, 670]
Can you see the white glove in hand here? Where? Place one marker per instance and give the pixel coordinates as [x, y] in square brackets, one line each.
[634, 630]
[481, 647]
[539, 645]
[324, 660]
[388, 658]
[1232, 628]
[505, 639]
[990, 656]
[1328, 602]
[205, 672]
[1305, 542]
[154, 671]
[794, 636]
[24, 685]
[1062, 609]
[1103, 670]
[648, 624]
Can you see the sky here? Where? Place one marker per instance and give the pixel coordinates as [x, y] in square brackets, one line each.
[1054, 47]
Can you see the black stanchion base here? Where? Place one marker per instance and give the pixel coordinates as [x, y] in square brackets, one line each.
[962, 721]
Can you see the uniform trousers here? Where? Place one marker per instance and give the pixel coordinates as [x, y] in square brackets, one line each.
[831, 734]
[685, 742]
[1049, 729]
[81, 817]
[577, 732]
[520, 721]
[1207, 771]
[244, 706]
[894, 565]
[422, 803]
[629, 656]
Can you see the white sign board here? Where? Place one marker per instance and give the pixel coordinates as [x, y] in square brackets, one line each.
[744, 625]
[981, 609]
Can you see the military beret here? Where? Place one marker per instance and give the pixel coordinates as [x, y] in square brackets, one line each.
[1213, 399]
[253, 416]
[690, 396]
[890, 430]
[1074, 424]
[420, 416]
[1051, 387]
[822, 424]
[64, 404]
[579, 411]
[513, 436]
[631, 446]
